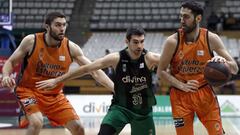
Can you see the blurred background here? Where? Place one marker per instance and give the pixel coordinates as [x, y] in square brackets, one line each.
[98, 27]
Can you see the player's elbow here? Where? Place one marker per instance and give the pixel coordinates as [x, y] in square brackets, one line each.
[94, 74]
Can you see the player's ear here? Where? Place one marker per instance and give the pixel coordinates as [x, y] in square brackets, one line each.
[46, 26]
[126, 41]
[198, 18]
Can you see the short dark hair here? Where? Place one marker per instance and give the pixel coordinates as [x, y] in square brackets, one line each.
[197, 8]
[53, 15]
[135, 30]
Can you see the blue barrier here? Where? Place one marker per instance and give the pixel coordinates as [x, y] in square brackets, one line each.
[7, 43]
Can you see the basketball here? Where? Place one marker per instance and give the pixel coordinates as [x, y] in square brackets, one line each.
[216, 73]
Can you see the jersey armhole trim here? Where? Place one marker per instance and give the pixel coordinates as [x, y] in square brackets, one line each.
[69, 50]
[178, 42]
[34, 46]
[208, 44]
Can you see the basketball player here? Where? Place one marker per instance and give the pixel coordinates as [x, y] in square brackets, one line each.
[133, 97]
[187, 51]
[47, 55]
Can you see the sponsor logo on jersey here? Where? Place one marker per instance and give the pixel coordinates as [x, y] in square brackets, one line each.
[126, 61]
[217, 126]
[124, 67]
[200, 52]
[141, 65]
[178, 122]
[61, 58]
[180, 55]
[28, 101]
[134, 79]
[51, 70]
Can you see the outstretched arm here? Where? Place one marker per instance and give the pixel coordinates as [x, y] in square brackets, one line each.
[98, 64]
[87, 67]
[97, 74]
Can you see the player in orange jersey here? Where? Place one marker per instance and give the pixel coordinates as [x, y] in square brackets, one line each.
[187, 51]
[48, 55]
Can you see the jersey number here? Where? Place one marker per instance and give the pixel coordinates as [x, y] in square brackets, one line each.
[137, 99]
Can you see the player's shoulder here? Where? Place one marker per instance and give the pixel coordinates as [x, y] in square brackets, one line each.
[73, 46]
[214, 40]
[172, 39]
[71, 43]
[212, 35]
[152, 57]
[114, 55]
[152, 54]
[28, 40]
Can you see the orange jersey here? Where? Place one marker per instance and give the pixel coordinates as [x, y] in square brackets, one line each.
[189, 59]
[45, 62]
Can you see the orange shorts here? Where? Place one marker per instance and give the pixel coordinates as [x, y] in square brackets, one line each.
[203, 102]
[55, 106]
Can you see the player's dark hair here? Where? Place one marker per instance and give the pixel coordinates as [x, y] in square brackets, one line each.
[53, 15]
[197, 8]
[135, 30]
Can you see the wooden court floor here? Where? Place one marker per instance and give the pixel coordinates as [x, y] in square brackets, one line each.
[164, 126]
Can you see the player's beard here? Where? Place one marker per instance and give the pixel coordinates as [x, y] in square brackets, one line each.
[54, 35]
[189, 29]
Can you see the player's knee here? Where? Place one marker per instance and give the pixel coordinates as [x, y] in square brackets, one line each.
[76, 128]
[106, 130]
[36, 123]
[79, 129]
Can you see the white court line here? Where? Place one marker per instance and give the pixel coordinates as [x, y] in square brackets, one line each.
[234, 127]
[4, 125]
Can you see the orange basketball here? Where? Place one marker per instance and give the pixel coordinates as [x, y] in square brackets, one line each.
[217, 73]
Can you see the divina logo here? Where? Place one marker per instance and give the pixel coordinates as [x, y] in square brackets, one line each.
[93, 108]
[134, 79]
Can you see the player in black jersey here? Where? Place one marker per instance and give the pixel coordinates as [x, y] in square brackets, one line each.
[133, 97]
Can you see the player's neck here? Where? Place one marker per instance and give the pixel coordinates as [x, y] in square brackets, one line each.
[193, 36]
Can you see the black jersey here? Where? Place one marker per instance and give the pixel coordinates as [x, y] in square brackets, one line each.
[133, 84]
